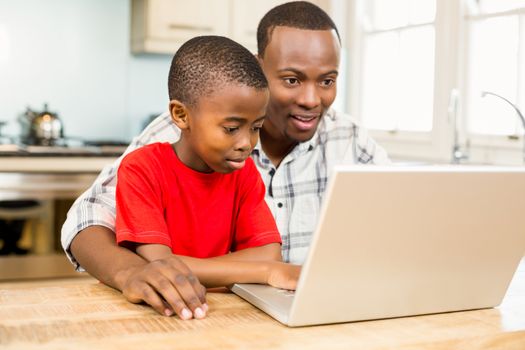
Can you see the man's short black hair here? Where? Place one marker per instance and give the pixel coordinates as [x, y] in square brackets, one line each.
[295, 14]
[206, 63]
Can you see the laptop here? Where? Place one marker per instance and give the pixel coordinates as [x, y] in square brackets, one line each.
[403, 241]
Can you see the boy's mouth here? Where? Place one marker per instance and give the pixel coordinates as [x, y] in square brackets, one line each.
[236, 164]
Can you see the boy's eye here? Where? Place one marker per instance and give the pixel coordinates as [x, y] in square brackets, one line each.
[230, 129]
[257, 128]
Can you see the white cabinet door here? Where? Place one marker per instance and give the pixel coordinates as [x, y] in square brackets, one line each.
[183, 19]
[246, 15]
[161, 26]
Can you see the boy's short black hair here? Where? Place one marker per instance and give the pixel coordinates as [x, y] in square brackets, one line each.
[295, 14]
[206, 63]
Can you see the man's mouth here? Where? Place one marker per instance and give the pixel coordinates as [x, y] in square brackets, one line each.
[305, 121]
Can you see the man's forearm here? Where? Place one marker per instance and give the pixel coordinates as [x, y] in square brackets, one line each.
[167, 284]
[97, 251]
[151, 252]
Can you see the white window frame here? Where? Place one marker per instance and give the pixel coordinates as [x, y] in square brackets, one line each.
[451, 50]
[491, 149]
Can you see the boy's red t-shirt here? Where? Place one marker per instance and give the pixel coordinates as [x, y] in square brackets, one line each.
[161, 200]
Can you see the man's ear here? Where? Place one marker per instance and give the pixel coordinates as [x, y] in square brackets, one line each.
[179, 114]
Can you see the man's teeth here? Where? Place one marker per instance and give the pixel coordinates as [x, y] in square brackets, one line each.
[304, 119]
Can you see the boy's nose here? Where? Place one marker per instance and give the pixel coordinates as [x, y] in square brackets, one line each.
[309, 97]
[244, 142]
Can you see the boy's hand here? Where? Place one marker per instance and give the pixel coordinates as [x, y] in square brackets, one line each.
[284, 276]
[169, 279]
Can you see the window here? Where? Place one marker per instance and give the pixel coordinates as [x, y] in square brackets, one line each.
[495, 63]
[408, 56]
[398, 64]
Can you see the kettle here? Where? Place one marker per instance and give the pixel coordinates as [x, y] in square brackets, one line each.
[44, 128]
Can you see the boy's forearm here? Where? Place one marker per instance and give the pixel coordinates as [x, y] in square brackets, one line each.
[268, 252]
[96, 250]
[251, 265]
[215, 272]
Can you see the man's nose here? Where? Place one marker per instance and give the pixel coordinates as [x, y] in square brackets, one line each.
[309, 96]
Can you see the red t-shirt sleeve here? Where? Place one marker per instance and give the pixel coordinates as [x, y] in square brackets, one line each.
[255, 224]
[140, 213]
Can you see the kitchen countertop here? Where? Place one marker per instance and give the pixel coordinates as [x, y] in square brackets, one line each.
[49, 159]
[42, 186]
[53, 164]
[37, 172]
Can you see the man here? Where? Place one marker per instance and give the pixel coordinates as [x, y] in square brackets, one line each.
[301, 139]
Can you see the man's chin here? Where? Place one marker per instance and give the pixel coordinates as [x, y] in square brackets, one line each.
[300, 137]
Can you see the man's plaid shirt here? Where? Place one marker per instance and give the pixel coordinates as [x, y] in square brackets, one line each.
[294, 190]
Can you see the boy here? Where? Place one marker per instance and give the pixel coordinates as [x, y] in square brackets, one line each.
[202, 197]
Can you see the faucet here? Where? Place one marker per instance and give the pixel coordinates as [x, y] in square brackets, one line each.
[457, 153]
[520, 116]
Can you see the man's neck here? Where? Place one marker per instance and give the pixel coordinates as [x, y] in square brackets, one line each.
[276, 148]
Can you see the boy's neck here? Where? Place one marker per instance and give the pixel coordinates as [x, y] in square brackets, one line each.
[185, 157]
[275, 148]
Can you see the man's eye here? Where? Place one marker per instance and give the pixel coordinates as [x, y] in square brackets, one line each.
[230, 130]
[257, 128]
[291, 81]
[328, 82]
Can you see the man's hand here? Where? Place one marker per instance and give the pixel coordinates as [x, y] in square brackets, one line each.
[284, 276]
[168, 286]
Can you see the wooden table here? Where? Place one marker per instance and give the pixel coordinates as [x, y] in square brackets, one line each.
[84, 314]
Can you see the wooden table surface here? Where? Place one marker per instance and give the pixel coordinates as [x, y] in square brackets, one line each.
[84, 314]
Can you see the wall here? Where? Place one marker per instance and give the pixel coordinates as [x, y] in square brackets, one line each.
[75, 56]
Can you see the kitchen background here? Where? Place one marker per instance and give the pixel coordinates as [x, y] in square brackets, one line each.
[102, 67]
[413, 71]
[75, 55]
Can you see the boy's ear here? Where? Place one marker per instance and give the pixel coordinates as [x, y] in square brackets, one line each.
[179, 114]
[260, 59]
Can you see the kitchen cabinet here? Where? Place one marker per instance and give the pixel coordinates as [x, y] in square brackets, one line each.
[246, 16]
[162, 26]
